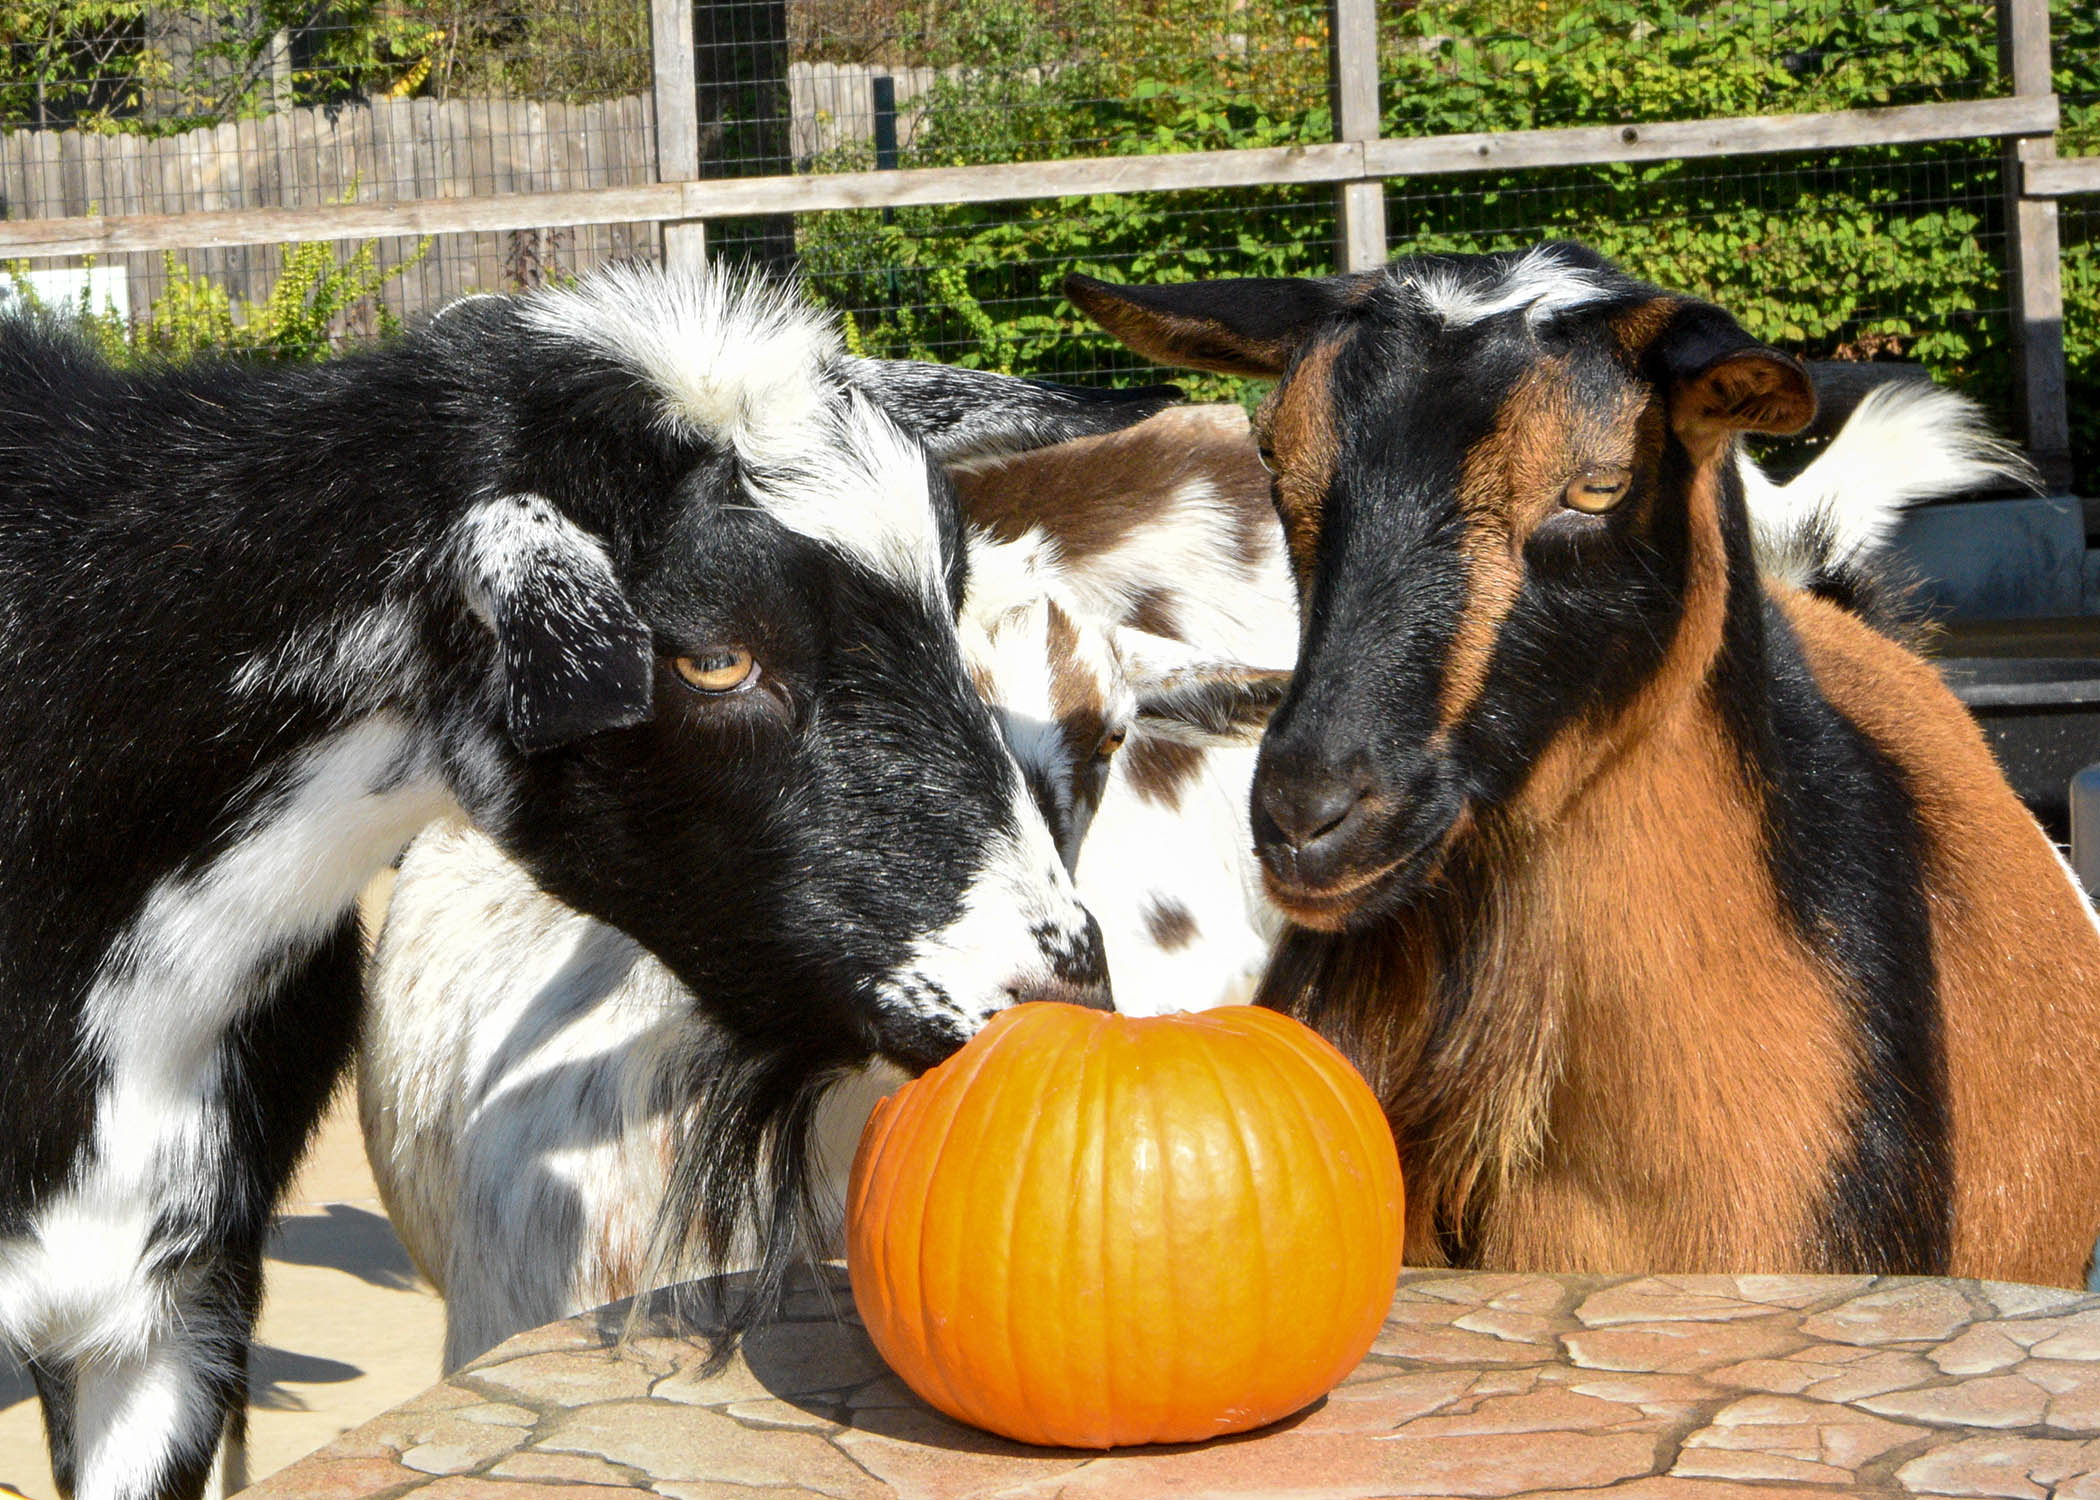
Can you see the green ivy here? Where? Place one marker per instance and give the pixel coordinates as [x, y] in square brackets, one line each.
[1892, 253]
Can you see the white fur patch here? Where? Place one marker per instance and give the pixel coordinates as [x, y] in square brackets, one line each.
[1007, 642]
[1018, 912]
[736, 359]
[747, 365]
[860, 487]
[1198, 853]
[1905, 442]
[201, 950]
[1541, 284]
[361, 660]
[133, 1416]
[512, 541]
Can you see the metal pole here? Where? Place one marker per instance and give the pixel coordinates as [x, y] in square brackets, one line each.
[1352, 60]
[677, 123]
[2034, 271]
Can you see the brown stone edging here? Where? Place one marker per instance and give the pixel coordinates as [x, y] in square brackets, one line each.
[1653, 1388]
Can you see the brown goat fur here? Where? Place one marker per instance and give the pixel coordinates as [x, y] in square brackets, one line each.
[1680, 920]
[2018, 963]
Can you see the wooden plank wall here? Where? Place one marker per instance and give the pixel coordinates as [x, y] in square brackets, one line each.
[385, 151]
[390, 150]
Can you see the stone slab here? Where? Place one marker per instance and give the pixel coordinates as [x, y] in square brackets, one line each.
[1525, 1387]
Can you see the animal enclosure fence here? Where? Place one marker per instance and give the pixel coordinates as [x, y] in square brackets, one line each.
[1900, 180]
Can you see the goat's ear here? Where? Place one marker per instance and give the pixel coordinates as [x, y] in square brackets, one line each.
[1250, 325]
[1722, 381]
[964, 414]
[574, 656]
[1193, 698]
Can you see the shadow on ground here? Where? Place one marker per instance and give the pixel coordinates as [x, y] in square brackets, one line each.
[268, 1368]
[352, 1240]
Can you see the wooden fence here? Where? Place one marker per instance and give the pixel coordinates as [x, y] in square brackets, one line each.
[390, 150]
[563, 187]
[403, 151]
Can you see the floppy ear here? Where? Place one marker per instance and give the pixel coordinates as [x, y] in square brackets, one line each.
[575, 658]
[1249, 325]
[1191, 698]
[963, 414]
[1721, 381]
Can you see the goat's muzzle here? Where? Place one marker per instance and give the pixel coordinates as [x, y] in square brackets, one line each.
[1078, 973]
[1337, 844]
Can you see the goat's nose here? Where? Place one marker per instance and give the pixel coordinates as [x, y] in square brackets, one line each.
[1305, 809]
[1078, 972]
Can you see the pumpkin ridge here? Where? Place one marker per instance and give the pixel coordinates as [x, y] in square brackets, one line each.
[1374, 1132]
[1284, 1068]
[1252, 1193]
[1286, 1124]
[1162, 1213]
[975, 1160]
[1374, 1137]
[951, 1089]
[1103, 1098]
[1017, 1174]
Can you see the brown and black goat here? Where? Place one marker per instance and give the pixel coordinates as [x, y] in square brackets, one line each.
[1681, 918]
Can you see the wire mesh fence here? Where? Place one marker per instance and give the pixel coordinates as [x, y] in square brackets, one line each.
[131, 107]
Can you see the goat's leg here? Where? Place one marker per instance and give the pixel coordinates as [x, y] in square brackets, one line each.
[54, 1389]
[147, 1426]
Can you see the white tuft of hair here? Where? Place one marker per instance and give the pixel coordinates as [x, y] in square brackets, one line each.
[736, 359]
[744, 363]
[1905, 442]
[1540, 283]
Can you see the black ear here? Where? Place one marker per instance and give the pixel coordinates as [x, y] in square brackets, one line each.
[1721, 381]
[574, 657]
[962, 414]
[1243, 326]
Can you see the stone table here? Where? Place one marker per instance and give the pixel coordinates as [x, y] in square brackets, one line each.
[1659, 1387]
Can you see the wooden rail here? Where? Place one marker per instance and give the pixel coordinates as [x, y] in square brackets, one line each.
[1337, 163]
[2061, 177]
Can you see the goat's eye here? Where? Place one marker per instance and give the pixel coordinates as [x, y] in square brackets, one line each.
[1595, 491]
[1110, 743]
[718, 671]
[1267, 455]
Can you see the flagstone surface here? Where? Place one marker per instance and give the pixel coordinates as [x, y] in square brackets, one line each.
[1649, 1388]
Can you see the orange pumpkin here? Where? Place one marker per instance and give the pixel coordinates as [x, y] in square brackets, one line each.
[1089, 1230]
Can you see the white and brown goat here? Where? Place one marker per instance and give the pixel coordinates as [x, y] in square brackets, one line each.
[1680, 917]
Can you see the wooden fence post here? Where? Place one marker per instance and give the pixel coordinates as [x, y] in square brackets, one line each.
[677, 123]
[2034, 276]
[1352, 52]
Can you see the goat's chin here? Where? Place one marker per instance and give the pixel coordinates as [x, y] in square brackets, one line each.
[750, 1188]
[1351, 910]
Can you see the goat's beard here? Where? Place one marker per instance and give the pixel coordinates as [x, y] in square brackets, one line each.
[747, 1198]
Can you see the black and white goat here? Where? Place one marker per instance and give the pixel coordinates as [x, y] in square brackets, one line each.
[643, 577]
[1680, 917]
[526, 1069]
[532, 1083]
